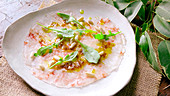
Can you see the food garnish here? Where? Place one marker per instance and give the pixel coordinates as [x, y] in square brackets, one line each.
[66, 58]
[67, 32]
[69, 18]
[104, 36]
[90, 53]
[47, 49]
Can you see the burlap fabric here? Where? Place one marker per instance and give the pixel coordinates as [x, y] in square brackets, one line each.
[145, 81]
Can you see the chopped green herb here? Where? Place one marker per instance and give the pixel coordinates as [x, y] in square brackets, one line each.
[43, 50]
[58, 63]
[104, 36]
[47, 49]
[66, 58]
[71, 56]
[90, 53]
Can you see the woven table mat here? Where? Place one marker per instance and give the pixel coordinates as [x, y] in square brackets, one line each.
[145, 81]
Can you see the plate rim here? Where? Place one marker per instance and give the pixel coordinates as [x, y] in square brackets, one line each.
[3, 48]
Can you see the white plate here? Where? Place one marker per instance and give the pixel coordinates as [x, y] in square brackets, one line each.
[14, 41]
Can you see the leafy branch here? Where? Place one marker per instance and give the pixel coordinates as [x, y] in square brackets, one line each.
[152, 15]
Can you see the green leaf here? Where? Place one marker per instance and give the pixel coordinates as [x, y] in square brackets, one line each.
[47, 27]
[58, 63]
[144, 1]
[56, 44]
[146, 47]
[143, 44]
[66, 32]
[86, 31]
[104, 36]
[71, 56]
[144, 27]
[115, 5]
[110, 34]
[141, 13]
[47, 49]
[69, 18]
[99, 36]
[137, 35]
[43, 50]
[159, 1]
[122, 5]
[164, 56]
[163, 10]
[89, 31]
[90, 53]
[162, 26]
[150, 10]
[64, 16]
[125, 1]
[109, 2]
[66, 58]
[132, 10]
[165, 0]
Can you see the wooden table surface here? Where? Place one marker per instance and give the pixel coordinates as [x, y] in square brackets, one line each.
[11, 10]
